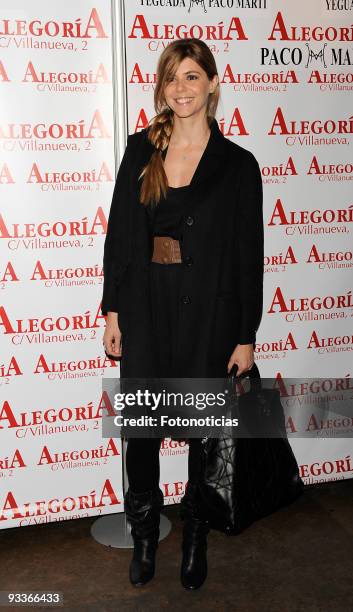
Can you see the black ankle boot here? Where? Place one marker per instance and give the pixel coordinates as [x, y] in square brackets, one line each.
[194, 547]
[143, 512]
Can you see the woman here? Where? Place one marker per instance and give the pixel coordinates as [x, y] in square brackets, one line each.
[183, 275]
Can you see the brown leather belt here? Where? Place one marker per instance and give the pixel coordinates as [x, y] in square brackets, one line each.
[166, 250]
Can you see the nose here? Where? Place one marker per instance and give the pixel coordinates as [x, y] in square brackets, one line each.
[179, 86]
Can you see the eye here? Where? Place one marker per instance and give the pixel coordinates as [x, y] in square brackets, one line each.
[193, 76]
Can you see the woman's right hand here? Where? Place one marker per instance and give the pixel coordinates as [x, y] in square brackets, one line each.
[112, 335]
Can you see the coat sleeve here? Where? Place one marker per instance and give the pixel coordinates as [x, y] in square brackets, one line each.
[250, 249]
[116, 245]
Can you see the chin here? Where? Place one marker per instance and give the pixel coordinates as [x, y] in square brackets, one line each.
[182, 115]
[186, 112]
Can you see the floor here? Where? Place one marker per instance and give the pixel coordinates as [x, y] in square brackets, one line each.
[299, 559]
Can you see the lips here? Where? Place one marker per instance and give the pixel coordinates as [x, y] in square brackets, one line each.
[183, 100]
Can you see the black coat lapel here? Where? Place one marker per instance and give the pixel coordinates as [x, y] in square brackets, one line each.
[212, 158]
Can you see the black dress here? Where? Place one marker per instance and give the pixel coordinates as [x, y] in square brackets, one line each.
[165, 282]
[142, 458]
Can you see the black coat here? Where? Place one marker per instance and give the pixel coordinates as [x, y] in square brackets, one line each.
[221, 296]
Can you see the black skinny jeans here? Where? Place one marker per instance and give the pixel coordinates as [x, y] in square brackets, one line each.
[142, 463]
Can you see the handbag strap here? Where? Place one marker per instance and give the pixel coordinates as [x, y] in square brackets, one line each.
[253, 374]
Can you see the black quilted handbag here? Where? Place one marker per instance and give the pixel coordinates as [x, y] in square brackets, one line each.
[245, 478]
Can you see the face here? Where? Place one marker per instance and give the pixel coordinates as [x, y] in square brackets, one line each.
[187, 91]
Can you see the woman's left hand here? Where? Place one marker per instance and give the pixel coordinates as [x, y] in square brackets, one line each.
[243, 357]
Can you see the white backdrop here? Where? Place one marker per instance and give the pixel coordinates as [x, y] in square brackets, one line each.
[286, 90]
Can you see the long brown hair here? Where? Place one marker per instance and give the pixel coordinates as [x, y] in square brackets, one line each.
[160, 128]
